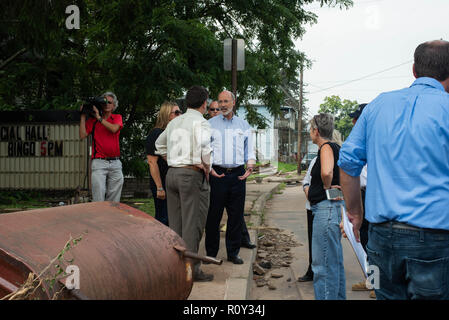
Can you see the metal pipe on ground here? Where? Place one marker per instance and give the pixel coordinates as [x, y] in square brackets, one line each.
[123, 253]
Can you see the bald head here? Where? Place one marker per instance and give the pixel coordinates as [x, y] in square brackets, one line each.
[432, 60]
[226, 101]
[229, 94]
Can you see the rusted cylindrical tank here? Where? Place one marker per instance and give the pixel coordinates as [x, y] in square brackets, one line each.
[123, 253]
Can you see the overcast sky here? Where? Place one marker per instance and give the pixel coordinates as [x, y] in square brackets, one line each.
[370, 37]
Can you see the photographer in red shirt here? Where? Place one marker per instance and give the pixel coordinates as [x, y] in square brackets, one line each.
[107, 176]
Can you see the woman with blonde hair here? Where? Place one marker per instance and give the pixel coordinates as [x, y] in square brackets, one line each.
[327, 252]
[158, 166]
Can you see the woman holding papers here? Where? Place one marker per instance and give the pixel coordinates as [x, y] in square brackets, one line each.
[327, 252]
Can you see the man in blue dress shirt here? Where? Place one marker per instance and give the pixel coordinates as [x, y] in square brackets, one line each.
[232, 148]
[403, 136]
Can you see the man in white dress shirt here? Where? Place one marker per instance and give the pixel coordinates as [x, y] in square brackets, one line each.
[186, 145]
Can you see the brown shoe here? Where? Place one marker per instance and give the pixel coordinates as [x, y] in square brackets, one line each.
[372, 295]
[361, 286]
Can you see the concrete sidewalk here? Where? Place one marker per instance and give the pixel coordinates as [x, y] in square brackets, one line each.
[232, 281]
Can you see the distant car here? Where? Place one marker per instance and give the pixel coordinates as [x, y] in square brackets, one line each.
[307, 159]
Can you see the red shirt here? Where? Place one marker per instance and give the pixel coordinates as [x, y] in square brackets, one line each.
[105, 143]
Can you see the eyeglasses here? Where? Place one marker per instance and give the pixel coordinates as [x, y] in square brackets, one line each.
[223, 101]
[214, 109]
[110, 102]
[177, 112]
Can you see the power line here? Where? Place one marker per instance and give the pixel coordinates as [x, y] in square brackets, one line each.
[337, 81]
[364, 77]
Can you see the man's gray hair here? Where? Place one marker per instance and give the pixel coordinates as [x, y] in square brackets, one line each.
[324, 122]
[113, 96]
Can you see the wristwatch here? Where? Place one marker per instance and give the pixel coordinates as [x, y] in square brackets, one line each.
[100, 120]
[160, 189]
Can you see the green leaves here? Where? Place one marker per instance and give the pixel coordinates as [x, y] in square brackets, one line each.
[147, 52]
[341, 110]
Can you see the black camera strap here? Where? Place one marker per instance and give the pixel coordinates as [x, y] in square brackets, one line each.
[94, 145]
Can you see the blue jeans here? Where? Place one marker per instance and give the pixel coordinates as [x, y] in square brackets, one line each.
[412, 264]
[329, 280]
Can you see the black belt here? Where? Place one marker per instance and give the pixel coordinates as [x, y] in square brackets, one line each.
[228, 170]
[109, 158]
[404, 226]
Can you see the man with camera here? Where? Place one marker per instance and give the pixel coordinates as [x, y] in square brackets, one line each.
[107, 176]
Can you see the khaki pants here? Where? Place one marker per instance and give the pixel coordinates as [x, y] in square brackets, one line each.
[187, 205]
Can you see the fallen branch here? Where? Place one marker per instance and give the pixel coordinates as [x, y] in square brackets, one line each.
[27, 290]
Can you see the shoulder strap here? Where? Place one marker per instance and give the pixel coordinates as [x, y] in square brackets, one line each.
[329, 143]
[94, 145]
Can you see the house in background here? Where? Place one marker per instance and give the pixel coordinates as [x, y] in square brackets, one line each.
[279, 141]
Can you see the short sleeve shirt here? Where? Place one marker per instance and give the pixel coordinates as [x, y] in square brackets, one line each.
[105, 144]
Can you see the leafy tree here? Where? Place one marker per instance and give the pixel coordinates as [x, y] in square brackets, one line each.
[341, 110]
[146, 51]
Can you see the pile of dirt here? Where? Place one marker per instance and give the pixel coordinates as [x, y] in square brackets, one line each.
[273, 253]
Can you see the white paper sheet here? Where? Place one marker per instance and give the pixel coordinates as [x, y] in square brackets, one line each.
[356, 246]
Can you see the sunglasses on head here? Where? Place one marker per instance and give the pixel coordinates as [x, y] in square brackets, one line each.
[214, 109]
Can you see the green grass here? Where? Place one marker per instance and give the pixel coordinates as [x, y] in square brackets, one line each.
[254, 176]
[30, 204]
[143, 204]
[286, 167]
[281, 188]
[29, 200]
[21, 200]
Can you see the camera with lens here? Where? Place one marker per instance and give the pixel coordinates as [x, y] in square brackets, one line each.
[89, 103]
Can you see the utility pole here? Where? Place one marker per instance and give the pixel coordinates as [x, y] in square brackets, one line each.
[301, 101]
[234, 71]
[234, 60]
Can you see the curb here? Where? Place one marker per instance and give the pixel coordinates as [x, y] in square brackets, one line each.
[238, 286]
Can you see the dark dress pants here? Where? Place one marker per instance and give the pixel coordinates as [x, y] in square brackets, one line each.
[309, 236]
[246, 239]
[228, 192]
[160, 206]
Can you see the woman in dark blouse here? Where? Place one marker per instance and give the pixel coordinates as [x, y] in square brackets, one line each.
[327, 253]
[158, 166]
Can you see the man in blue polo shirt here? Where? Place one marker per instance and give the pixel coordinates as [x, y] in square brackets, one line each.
[403, 136]
[232, 148]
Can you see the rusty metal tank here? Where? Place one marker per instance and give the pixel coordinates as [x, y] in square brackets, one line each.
[123, 253]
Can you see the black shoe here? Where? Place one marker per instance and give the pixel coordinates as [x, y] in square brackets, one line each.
[248, 245]
[305, 278]
[235, 260]
[203, 277]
